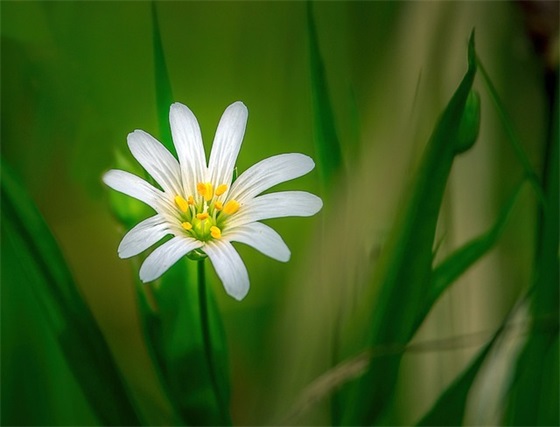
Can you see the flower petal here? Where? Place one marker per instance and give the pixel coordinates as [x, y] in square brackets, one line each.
[156, 160]
[229, 268]
[142, 236]
[227, 143]
[268, 173]
[162, 258]
[133, 186]
[188, 143]
[262, 238]
[276, 205]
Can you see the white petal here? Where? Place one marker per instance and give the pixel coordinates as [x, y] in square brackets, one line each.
[162, 258]
[268, 173]
[227, 143]
[276, 205]
[144, 235]
[229, 268]
[156, 160]
[188, 143]
[133, 186]
[262, 238]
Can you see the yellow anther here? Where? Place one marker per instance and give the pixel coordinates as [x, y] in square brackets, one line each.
[231, 207]
[205, 189]
[181, 203]
[190, 200]
[222, 188]
[218, 205]
[202, 216]
[186, 225]
[215, 232]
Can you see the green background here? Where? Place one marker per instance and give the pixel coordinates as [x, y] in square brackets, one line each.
[77, 77]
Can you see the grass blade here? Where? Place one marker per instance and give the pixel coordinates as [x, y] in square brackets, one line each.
[535, 391]
[78, 335]
[164, 96]
[450, 406]
[404, 267]
[198, 389]
[512, 135]
[327, 144]
[463, 258]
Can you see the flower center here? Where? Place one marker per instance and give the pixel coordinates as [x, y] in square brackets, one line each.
[203, 215]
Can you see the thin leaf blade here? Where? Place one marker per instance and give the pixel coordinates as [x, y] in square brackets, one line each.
[329, 153]
[463, 258]
[404, 268]
[451, 404]
[77, 333]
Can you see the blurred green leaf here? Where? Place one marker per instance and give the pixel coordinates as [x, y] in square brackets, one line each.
[513, 138]
[72, 323]
[326, 140]
[463, 258]
[402, 277]
[535, 389]
[470, 123]
[450, 406]
[164, 96]
[196, 378]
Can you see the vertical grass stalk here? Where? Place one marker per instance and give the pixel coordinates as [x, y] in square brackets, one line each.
[207, 338]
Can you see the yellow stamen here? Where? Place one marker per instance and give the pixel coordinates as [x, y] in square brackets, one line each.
[215, 232]
[218, 205]
[186, 225]
[205, 189]
[202, 216]
[231, 207]
[190, 201]
[222, 188]
[181, 203]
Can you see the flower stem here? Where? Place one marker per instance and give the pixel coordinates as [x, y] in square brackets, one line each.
[205, 325]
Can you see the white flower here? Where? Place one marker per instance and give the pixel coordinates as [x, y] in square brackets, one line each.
[200, 206]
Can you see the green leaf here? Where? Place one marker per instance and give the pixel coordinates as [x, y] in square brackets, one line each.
[192, 369]
[535, 389]
[450, 406]
[45, 272]
[164, 96]
[513, 138]
[470, 123]
[391, 304]
[327, 144]
[463, 258]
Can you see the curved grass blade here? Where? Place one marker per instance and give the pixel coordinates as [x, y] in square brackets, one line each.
[327, 144]
[164, 96]
[403, 272]
[463, 258]
[197, 385]
[82, 343]
[512, 135]
[535, 392]
[450, 406]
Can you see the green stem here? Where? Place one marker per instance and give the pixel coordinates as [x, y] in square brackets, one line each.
[206, 336]
[512, 135]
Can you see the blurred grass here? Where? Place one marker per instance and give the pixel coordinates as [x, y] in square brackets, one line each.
[404, 267]
[77, 77]
[327, 145]
[38, 264]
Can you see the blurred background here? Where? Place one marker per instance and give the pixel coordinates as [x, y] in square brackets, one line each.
[77, 77]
